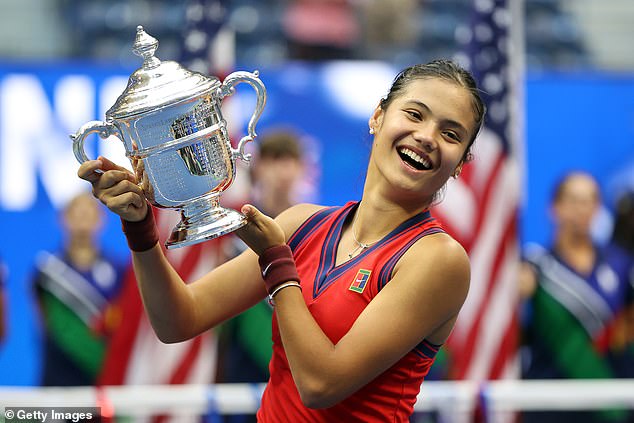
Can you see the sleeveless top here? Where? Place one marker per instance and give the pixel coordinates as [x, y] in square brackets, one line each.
[336, 296]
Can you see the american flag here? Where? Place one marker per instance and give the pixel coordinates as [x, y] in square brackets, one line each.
[205, 46]
[481, 206]
[135, 355]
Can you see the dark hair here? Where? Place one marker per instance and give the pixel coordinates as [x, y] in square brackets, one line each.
[623, 232]
[280, 143]
[448, 71]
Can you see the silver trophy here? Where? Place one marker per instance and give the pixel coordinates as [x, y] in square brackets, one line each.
[171, 125]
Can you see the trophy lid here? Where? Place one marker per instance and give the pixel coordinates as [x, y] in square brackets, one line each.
[156, 84]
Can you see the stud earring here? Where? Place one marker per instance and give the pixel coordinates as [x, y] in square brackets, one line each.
[372, 131]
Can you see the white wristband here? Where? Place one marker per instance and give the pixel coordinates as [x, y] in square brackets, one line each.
[280, 287]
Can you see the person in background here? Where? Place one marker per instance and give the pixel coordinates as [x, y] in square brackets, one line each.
[623, 231]
[574, 291]
[278, 171]
[623, 237]
[321, 29]
[245, 345]
[74, 289]
[391, 28]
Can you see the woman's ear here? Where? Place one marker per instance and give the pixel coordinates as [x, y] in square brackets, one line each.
[457, 170]
[375, 120]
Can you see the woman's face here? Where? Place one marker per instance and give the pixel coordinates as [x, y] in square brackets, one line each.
[82, 217]
[422, 136]
[576, 205]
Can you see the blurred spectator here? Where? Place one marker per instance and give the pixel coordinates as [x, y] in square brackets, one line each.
[623, 233]
[576, 292]
[245, 345]
[276, 172]
[389, 26]
[321, 29]
[74, 288]
[623, 236]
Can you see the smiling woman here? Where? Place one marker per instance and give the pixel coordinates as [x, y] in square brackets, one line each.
[365, 294]
[432, 115]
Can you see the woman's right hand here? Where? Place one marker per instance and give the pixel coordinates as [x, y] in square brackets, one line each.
[117, 188]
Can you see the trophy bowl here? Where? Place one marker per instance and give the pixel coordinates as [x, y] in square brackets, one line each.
[170, 122]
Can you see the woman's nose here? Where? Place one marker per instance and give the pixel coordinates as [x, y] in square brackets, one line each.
[426, 136]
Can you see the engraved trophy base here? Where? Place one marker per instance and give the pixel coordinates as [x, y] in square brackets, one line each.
[202, 220]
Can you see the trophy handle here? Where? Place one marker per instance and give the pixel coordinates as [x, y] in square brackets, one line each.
[96, 126]
[227, 89]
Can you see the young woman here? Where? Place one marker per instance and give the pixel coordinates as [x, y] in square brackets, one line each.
[364, 294]
[577, 287]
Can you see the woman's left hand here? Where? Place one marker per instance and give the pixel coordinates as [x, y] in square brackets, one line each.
[261, 231]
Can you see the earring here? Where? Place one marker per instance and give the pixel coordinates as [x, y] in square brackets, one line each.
[371, 130]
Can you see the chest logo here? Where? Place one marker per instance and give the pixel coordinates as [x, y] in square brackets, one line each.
[360, 281]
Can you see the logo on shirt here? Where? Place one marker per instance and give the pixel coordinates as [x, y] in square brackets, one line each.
[360, 281]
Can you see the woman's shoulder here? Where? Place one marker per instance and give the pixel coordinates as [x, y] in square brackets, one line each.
[293, 217]
[441, 252]
[443, 244]
[435, 267]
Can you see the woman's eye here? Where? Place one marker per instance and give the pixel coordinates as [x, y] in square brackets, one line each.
[414, 114]
[452, 135]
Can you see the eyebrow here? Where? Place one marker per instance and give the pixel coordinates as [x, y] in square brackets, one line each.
[450, 122]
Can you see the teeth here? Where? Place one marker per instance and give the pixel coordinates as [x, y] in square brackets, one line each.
[415, 157]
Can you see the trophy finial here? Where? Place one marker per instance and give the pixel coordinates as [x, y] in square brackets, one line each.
[145, 46]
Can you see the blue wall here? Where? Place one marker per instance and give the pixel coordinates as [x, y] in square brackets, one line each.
[573, 121]
[576, 121]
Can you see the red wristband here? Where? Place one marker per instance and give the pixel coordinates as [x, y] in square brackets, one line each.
[277, 266]
[141, 235]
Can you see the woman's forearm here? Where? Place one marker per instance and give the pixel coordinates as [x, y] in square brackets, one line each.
[166, 298]
[311, 355]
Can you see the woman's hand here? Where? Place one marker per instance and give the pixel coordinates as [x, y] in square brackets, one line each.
[260, 232]
[116, 187]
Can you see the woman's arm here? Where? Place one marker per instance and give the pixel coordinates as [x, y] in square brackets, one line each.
[422, 300]
[177, 311]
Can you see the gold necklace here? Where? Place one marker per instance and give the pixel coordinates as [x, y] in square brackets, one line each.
[360, 245]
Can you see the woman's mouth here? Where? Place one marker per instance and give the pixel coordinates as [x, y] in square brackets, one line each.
[413, 159]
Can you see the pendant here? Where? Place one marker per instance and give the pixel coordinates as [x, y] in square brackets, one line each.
[361, 246]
